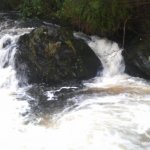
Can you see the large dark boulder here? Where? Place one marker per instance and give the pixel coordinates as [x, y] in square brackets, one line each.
[137, 57]
[52, 55]
[137, 44]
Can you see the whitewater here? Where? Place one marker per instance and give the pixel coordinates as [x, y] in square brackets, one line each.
[110, 112]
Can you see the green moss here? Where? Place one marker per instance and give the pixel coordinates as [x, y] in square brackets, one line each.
[32, 49]
[52, 48]
[70, 44]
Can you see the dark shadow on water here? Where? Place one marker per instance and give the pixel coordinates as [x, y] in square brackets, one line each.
[41, 106]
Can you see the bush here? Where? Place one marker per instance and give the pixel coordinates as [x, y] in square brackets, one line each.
[31, 8]
[103, 17]
[95, 15]
[39, 8]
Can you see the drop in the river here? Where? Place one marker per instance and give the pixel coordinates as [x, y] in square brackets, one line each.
[109, 112]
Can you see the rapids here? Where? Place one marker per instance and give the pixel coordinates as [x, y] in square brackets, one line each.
[109, 113]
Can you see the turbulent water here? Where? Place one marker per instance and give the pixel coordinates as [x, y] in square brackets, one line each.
[111, 112]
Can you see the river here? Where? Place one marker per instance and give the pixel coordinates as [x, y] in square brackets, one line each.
[109, 112]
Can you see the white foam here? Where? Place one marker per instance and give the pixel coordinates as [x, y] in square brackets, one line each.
[118, 121]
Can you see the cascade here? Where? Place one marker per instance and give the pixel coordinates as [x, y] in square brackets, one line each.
[108, 52]
[111, 112]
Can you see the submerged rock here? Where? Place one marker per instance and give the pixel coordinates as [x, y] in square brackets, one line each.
[137, 57]
[52, 55]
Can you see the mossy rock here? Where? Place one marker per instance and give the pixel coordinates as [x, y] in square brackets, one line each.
[52, 55]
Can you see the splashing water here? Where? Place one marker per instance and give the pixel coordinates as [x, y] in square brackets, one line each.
[108, 52]
[10, 107]
[110, 55]
[110, 113]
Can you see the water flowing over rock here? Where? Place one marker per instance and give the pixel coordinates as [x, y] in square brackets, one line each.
[104, 114]
[108, 53]
[52, 55]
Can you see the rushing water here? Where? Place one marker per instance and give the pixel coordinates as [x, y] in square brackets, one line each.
[111, 112]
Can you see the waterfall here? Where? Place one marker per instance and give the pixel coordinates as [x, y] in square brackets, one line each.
[8, 48]
[10, 107]
[108, 53]
[110, 112]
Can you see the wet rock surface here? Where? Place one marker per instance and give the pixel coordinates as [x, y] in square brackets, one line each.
[50, 54]
[137, 57]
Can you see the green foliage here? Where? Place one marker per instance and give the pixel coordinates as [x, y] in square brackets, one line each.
[95, 15]
[91, 16]
[31, 8]
[39, 8]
